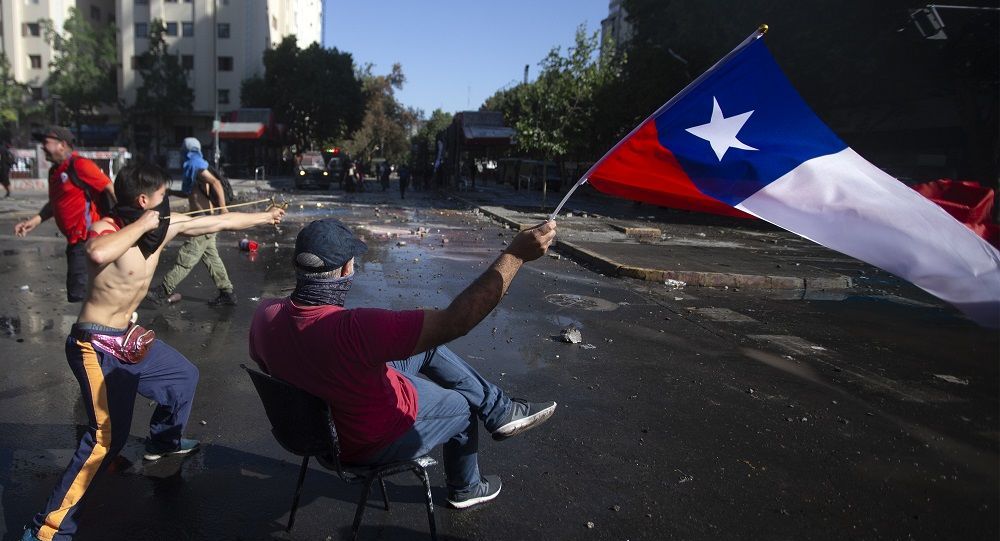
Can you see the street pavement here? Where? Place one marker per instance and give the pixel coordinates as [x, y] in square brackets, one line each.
[863, 411]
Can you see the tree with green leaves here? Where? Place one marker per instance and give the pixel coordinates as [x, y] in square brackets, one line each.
[559, 115]
[83, 72]
[313, 91]
[13, 100]
[385, 128]
[164, 91]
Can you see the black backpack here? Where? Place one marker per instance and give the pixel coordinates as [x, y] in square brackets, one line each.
[227, 187]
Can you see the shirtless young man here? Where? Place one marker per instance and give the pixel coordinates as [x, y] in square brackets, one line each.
[122, 254]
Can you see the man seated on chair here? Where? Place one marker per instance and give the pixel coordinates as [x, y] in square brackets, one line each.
[349, 358]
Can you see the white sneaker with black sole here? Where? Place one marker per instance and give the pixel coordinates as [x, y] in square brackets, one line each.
[524, 416]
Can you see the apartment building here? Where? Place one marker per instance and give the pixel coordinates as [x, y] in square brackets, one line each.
[220, 43]
[616, 25]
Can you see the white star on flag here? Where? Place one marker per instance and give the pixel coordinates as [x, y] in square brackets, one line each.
[721, 132]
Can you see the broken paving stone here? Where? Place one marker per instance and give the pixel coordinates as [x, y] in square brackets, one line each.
[952, 379]
[571, 335]
[676, 284]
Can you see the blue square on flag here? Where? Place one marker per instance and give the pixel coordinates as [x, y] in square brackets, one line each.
[743, 127]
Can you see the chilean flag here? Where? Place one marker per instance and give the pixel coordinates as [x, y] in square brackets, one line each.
[740, 141]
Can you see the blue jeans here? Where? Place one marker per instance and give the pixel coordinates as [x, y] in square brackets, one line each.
[447, 410]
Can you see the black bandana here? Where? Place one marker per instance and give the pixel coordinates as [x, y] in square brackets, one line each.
[319, 291]
[151, 240]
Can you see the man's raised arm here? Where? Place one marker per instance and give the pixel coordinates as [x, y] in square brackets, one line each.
[203, 225]
[483, 295]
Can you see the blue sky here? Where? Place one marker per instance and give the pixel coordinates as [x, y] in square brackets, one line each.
[455, 54]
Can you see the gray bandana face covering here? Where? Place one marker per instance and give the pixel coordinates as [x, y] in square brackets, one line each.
[321, 291]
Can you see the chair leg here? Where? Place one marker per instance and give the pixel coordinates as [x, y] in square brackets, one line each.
[385, 495]
[298, 492]
[362, 503]
[425, 479]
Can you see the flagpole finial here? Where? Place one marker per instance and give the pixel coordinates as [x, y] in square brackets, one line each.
[762, 29]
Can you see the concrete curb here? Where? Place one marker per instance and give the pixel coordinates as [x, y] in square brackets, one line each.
[611, 267]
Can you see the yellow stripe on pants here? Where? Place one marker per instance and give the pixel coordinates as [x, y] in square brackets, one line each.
[99, 398]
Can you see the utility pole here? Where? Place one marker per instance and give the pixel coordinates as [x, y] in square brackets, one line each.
[216, 124]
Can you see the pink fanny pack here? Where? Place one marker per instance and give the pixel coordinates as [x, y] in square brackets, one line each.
[130, 347]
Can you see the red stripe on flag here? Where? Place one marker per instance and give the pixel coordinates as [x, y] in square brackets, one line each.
[642, 170]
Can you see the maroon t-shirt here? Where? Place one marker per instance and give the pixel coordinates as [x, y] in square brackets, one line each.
[339, 355]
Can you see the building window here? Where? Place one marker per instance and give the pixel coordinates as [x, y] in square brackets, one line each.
[36, 93]
[225, 63]
[187, 29]
[171, 29]
[141, 30]
[223, 96]
[31, 29]
[223, 30]
[95, 13]
[36, 61]
[187, 62]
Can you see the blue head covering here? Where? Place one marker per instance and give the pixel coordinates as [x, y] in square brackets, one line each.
[194, 164]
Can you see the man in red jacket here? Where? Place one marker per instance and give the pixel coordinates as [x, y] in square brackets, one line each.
[75, 186]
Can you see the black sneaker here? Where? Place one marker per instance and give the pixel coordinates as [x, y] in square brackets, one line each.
[158, 295]
[489, 488]
[225, 298]
[156, 452]
[523, 416]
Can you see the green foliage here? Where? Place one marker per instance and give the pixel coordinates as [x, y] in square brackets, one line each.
[427, 133]
[387, 124]
[84, 67]
[13, 99]
[314, 91]
[557, 116]
[164, 91]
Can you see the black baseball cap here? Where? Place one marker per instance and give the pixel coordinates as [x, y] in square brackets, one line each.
[325, 245]
[55, 132]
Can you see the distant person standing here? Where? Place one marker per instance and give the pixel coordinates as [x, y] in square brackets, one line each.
[404, 180]
[383, 175]
[6, 162]
[76, 187]
[205, 192]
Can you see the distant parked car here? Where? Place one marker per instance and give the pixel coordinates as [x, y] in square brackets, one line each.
[311, 172]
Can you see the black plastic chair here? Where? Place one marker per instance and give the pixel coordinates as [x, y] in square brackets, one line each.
[302, 424]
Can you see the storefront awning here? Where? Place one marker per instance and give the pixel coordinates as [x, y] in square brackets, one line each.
[240, 130]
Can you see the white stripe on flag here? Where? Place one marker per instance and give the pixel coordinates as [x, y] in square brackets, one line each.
[845, 203]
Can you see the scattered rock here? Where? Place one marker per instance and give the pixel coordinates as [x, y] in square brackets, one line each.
[676, 284]
[401, 243]
[590, 525]
[616, 508]
[203, 422]
[571, 335]
[952, 379]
